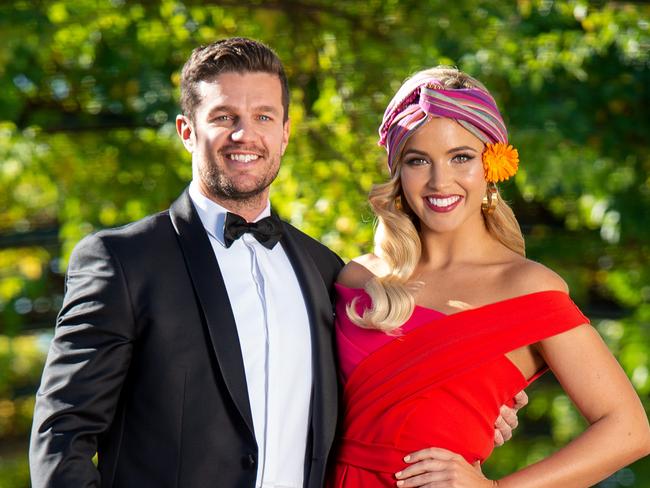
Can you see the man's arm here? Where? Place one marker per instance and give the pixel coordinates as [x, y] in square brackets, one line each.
[84, 372]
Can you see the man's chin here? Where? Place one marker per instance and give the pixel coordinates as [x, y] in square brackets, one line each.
[245, 196]
[236, 188]
[239, 194]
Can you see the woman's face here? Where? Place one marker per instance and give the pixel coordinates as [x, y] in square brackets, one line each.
[442, 175]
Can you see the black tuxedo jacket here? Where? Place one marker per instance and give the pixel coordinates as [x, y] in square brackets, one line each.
[146, 369]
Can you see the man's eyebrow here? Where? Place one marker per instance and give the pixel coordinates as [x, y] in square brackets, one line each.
[267, 108]
[221, 108]
[231, 109]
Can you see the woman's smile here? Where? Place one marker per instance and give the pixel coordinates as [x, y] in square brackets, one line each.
[442, 203]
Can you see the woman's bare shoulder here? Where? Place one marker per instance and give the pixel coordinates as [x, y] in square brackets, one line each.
[359, 270]
[527, 276]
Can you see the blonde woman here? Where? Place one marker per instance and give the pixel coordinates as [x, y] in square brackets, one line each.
[447, 320]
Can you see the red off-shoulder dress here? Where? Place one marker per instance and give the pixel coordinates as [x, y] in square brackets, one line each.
[439, 383]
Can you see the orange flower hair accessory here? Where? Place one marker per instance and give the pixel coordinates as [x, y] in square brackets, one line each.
[500, 161]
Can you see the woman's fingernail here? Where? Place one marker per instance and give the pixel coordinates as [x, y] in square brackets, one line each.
[400, 483]
[407, 458]
[398, 474]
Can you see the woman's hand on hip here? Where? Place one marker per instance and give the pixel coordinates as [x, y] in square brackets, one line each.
[440, 468]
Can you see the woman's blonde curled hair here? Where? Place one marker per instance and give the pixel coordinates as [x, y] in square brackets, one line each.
[397, 241]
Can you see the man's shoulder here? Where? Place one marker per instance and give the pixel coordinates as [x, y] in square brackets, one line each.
[307, 240]
[319, 252]
[145, 228]
[141, 234]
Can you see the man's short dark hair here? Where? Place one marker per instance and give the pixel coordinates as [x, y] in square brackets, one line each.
[236, 54]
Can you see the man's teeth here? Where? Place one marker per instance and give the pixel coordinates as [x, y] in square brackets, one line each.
[245, 158]
[443, 202]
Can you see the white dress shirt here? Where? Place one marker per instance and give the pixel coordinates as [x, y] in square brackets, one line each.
[273, 328]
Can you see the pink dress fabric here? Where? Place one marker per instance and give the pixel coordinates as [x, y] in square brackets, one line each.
[355, 343]
[440, 383]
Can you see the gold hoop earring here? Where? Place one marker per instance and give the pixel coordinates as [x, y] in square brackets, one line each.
[398, 203]
[490, 200]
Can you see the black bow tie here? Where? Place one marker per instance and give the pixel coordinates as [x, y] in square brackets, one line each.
[267, 231]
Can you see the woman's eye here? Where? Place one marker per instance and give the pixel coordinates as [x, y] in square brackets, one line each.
[416, 161]
[462, 158]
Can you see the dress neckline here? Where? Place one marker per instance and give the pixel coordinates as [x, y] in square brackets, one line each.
[473, 309]
[419, 307]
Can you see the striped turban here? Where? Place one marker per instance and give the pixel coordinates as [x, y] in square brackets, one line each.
[473, 108]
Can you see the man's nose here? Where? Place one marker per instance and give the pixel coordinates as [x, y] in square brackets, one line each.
[243, 131]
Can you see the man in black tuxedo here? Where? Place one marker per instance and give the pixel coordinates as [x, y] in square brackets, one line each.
[194, 348]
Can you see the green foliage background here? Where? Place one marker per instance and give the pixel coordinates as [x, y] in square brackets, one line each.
[88, 92]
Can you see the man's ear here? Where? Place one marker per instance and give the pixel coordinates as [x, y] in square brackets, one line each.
[185, 131]
[286, 131]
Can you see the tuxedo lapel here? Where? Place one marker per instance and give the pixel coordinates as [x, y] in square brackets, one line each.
[210, 290]
[319, 308]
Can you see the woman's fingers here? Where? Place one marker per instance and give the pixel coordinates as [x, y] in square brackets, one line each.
[426, 466]
[430, 453]
[420, 467]
[423, 479]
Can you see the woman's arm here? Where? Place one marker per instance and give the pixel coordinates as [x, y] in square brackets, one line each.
[618, 433]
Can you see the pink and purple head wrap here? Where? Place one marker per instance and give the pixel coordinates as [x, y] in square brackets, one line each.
[424, 96]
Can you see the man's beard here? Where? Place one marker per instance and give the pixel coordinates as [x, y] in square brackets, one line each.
[220, 186]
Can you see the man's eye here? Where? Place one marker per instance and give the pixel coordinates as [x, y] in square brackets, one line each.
[222, 118]
[264, 118]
